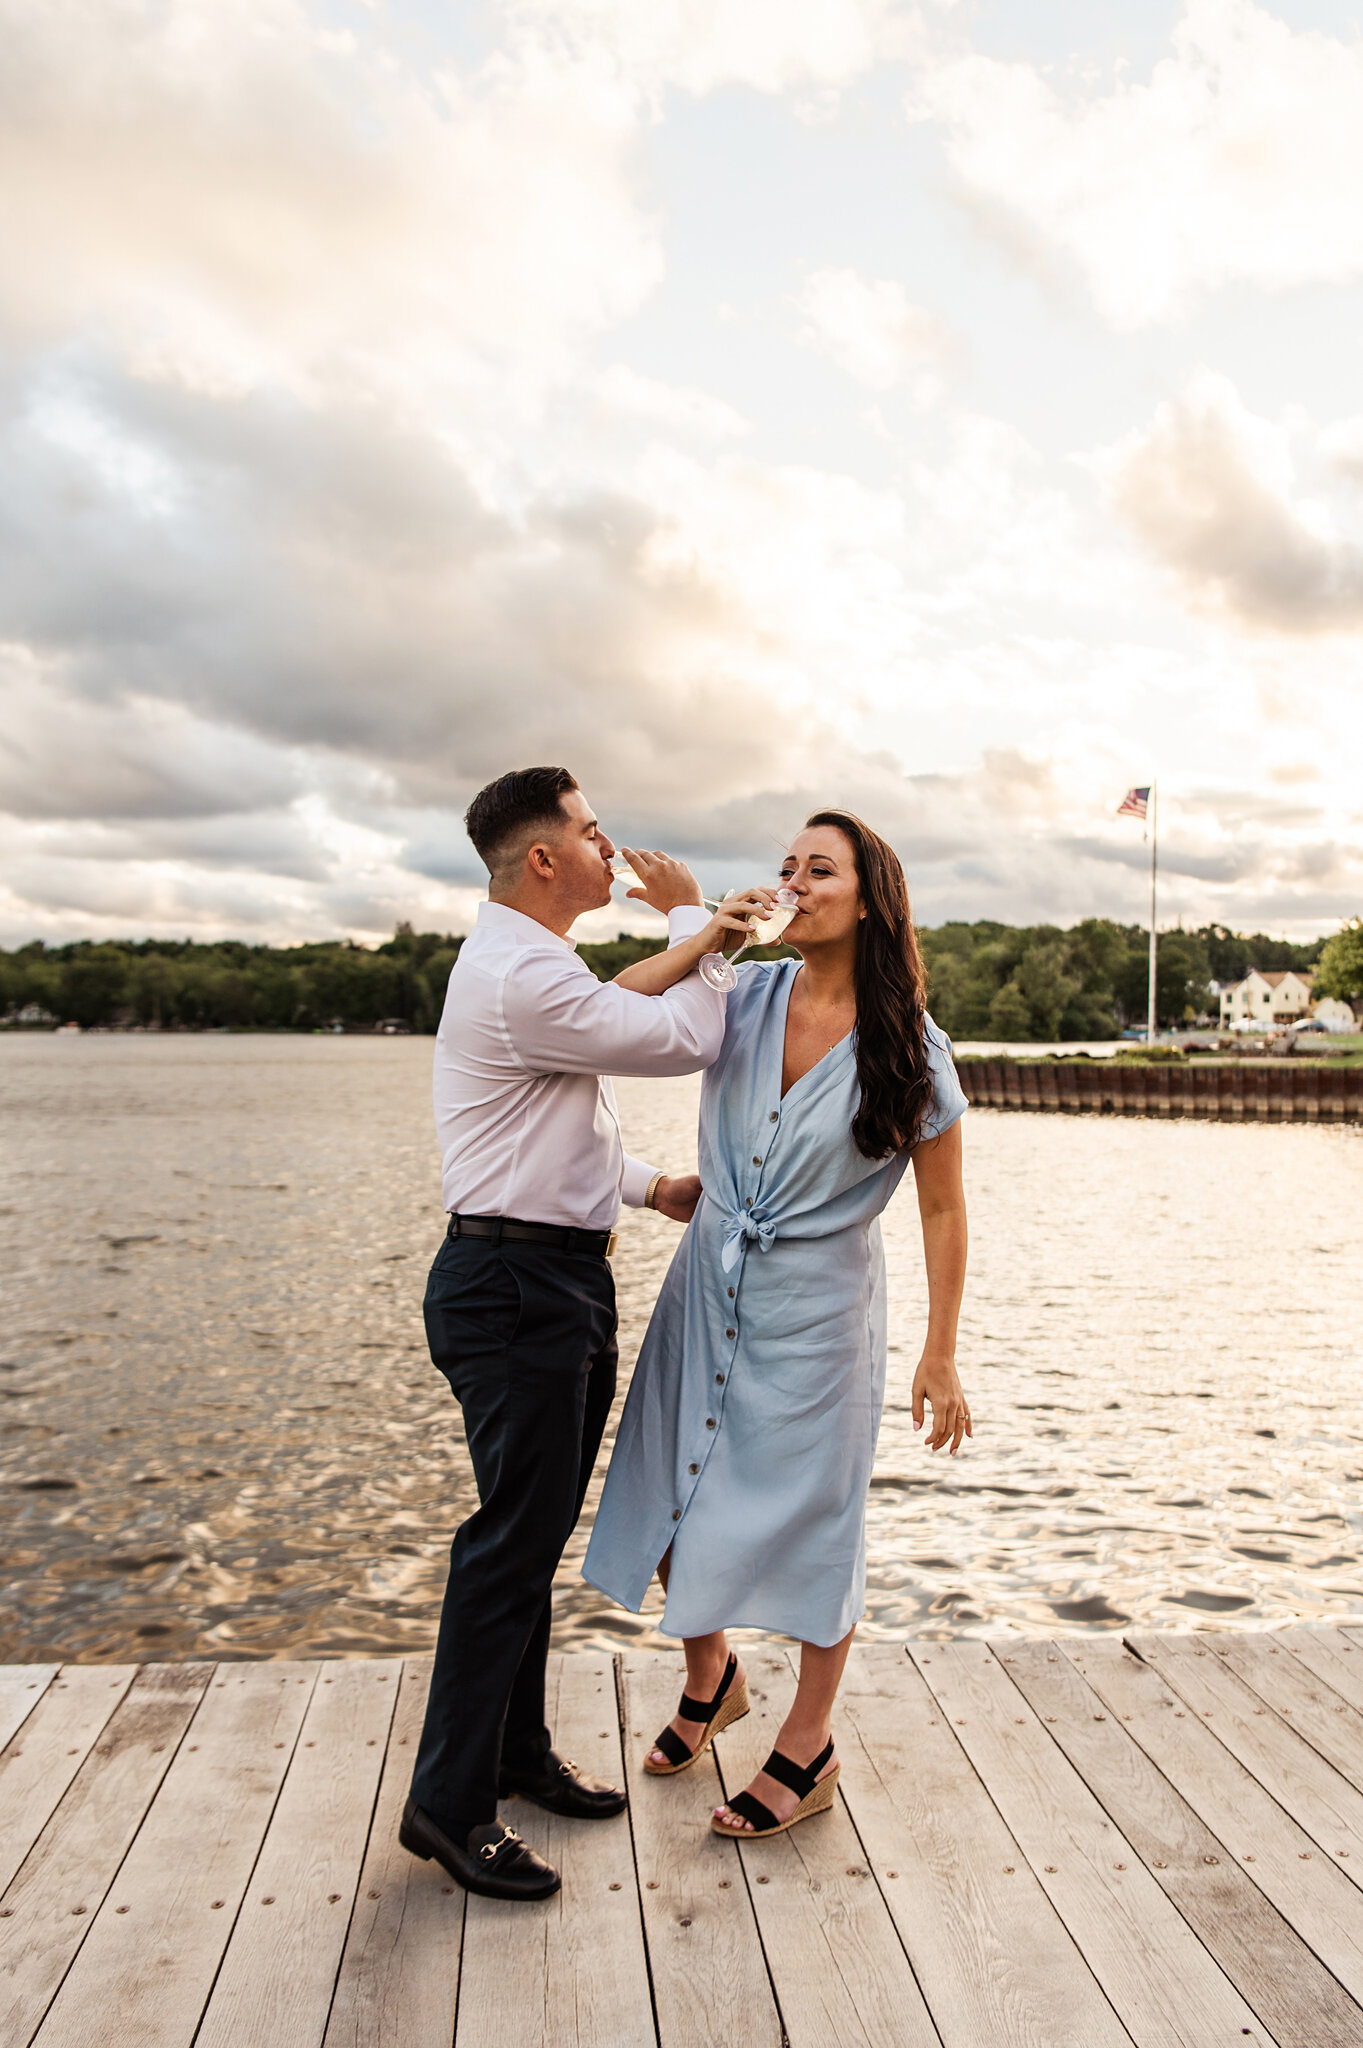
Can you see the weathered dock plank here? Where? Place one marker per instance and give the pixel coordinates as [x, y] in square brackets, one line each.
[399, 1976]
[44, 1756]
[1035, 1845]
[1293, 1994]
[1310, 1891]
[571, 1971]
[1165, 1987]
[21, 1688]
[993, 1958]
[1330, 1655]
[1319, 1799]
[279, 1971]
[1309, 1705]
[64, 1878]
[148, 1963]
[828, 1935]
[709, 1973]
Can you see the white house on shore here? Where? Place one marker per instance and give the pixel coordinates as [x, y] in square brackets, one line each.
[1264, 1000]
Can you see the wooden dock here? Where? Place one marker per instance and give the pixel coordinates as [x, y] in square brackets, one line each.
[1074, 1844]
[1224, 1091]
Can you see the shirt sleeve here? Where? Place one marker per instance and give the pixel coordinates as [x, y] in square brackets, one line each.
[562, 1020]
[634, 1182]
[949, 1101]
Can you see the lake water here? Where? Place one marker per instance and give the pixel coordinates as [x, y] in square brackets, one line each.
[220, 1434]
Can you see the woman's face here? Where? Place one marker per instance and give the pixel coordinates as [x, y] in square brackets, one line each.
[821, 868]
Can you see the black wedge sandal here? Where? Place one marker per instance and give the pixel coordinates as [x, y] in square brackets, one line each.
[730, 1703]
[816, 1796]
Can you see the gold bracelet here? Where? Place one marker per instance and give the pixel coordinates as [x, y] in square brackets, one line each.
[651, 1198]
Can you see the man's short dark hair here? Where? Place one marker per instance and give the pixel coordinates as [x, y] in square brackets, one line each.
[515, 808]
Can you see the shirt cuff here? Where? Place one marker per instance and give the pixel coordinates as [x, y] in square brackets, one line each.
[635, 1179]
[685, 921]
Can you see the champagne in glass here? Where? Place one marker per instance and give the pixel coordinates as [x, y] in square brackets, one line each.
[763, 931]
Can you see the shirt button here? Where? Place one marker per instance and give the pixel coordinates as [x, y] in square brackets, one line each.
[719, 1379]
[731, 1293]
[676, 1514]
[756, 1159]
[709, 1422]
[749, 1202]
[693, 1469]
[729, 1333]
[775, 1117]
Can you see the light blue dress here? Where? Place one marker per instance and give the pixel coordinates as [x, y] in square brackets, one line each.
[749, 1432]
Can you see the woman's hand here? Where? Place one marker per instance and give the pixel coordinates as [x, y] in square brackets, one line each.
[677, 1196]
[735, 914]
[938, 1382]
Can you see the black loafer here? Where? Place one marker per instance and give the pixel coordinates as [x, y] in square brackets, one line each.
[496, 1863]
[560, 1787]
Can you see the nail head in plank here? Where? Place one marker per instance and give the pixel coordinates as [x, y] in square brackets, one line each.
[399, 1976]
[991, 1954]
[148, 1963]
[709, 1974]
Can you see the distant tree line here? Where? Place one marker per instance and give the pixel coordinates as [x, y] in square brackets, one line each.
[986, 980]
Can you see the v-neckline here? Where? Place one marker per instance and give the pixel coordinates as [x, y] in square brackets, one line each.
[840, 1045]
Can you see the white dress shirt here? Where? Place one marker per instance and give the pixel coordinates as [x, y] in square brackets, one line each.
[527, 1122]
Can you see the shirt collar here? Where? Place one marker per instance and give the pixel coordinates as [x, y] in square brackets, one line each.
[528, 930]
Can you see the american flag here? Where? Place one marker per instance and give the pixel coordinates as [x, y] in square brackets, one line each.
[1135, 803]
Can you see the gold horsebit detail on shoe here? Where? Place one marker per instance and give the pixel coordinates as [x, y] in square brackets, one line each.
[491, 1849]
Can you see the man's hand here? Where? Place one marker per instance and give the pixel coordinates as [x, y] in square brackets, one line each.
[937, 1381]
[667, 883]
[677, 1196]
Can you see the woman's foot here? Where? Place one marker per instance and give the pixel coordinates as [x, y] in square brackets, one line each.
[779, 1799]
[701, 1684]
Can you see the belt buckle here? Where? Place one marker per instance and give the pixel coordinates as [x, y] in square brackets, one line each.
[609, 1252]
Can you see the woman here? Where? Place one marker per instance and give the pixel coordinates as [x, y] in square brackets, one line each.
[745, 1449]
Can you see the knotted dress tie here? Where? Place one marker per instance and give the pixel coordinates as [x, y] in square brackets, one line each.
[741, 1230]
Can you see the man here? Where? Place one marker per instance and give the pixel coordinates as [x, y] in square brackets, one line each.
[520, 1305]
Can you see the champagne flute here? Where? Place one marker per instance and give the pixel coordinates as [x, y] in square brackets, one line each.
[720, 973]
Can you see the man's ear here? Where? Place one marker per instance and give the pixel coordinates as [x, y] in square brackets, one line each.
[540, 861]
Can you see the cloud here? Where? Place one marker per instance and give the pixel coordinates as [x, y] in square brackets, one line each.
[869, 327]
[1239, 160]
[244, 198]
[1212, 491]
[802, 47]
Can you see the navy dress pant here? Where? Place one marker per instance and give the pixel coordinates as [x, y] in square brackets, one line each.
[525, 1335]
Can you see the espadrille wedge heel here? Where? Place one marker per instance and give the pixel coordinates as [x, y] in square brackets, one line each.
[816, 1796]
[730, 1703]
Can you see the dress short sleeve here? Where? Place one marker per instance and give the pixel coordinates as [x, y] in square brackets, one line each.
[949, 1102]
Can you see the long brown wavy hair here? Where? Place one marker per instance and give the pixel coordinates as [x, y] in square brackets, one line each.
[892, 1058]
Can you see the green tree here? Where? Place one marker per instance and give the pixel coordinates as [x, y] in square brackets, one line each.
[94, 985]
[1010, 1013]
[1340, 972]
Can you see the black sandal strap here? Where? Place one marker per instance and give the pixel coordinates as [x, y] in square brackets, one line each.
[798, 1778]
[692, 1709]
[673, 1748]
[748, 1808]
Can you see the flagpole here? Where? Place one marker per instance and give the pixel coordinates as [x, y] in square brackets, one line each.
[1154, 845]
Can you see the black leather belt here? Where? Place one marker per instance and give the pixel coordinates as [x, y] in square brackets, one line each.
[564, 1237]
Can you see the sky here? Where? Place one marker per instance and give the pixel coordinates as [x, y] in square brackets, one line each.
[951, 411]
